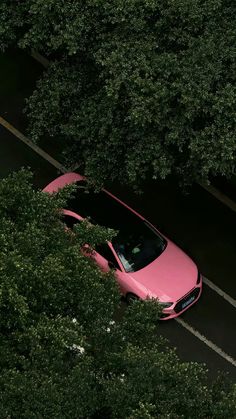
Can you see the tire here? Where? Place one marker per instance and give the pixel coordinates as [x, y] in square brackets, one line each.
[130, 298]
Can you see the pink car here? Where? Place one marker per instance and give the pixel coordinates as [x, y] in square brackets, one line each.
[146, 263]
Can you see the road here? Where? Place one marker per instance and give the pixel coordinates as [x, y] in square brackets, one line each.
[197, 222]
[205, 229]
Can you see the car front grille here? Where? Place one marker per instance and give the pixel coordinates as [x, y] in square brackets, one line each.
[191, 297]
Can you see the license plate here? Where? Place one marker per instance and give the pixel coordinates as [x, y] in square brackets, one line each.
[189, 301]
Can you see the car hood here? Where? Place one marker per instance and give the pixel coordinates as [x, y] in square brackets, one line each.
[169, 277]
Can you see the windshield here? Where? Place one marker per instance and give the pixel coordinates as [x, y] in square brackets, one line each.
[137, 247]
[137, 243]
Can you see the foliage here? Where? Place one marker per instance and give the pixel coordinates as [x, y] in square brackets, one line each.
[137, 88]
[12, 21]
[65, 351]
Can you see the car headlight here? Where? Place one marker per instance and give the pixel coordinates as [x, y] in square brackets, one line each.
[198, 278]
[165, 305]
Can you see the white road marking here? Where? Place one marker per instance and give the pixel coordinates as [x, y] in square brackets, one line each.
[219, 195]
[219, 291]
[30, 144]
[59, 166]
[207, 342]
[209, 188]
[229, 299]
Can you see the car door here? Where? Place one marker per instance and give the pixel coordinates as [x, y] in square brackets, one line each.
[102, 254]
[106, 259]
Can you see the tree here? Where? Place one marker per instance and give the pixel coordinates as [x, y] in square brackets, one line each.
[65, 352]
[137, 89]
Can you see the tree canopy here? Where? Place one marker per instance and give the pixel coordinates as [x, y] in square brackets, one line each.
[65, 349]
[136, 88]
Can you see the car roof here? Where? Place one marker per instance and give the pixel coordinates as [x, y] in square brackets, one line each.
[101, 208]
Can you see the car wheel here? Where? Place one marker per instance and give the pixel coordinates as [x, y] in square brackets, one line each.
[130, 298]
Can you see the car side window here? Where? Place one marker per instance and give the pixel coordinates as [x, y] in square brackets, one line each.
[105, 251]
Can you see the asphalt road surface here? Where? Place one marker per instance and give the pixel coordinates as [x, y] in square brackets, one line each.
[197, 222]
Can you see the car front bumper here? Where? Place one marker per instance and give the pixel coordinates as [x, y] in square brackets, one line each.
[183, 304]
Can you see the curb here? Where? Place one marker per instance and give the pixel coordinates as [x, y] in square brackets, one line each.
[209, 188]
[33, 146]
[40, 58]
[219, 195]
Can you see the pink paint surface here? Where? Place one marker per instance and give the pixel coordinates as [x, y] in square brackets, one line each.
[172, 277]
